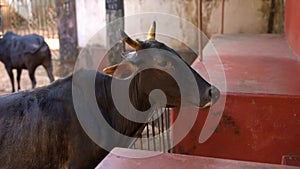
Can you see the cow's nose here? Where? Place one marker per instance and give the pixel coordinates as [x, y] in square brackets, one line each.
[214, 94]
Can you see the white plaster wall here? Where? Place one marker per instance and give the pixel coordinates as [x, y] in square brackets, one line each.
[249, 16]
[241, 16]
[185, 10]
[90, 19]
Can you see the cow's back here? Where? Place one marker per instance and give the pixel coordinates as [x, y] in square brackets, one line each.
[27, 44]
[39, 129]
[25, 51]
[33, 131]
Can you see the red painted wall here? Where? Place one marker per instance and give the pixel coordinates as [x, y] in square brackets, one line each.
[292, 24]
[259, 128]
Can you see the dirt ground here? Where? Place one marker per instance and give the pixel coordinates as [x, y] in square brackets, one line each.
[5, 85]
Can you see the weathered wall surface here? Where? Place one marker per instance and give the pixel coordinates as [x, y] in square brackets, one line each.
[183, 9]
[241, 16]
[90, 19]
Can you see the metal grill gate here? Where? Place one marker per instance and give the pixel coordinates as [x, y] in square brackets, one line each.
[156, 134]
[30, 16]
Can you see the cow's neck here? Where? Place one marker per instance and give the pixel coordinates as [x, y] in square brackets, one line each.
[138, 99]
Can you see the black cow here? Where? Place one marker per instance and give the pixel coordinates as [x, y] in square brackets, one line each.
[40, 128]
[25, 52]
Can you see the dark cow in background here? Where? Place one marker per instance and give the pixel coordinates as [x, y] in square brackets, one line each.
[40, 128]
[25, 52]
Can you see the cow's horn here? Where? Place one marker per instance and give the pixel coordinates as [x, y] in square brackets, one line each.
[133, 43]
[151, 33]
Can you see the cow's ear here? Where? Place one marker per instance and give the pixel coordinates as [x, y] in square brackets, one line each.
[121, 71]
[110, 70]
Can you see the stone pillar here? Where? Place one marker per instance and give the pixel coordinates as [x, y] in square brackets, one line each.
[67, 30]
[114, 22]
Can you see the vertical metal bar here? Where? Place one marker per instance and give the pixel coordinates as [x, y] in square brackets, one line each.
[31, 26]
[27, 19]
[22, 24]
[200, 27]
[148, 141]
[2, 21]
[158, 126]
[42, 17]
[7, 20]
[153, 134]
[48, 14]
[223, 17]
[39, 16]
[141, 141]
[162, 128]
[55, 9]
[134, 145]
[56, 21]
[17, 20]
[168, 126]
[47, 18]
[3, 15]
[8, 17]
[36, 20]
[52, 7]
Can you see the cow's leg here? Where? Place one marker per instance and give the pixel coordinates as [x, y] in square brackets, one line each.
[11, 76]
[19, 72]
[32, 77]
[49, 69]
